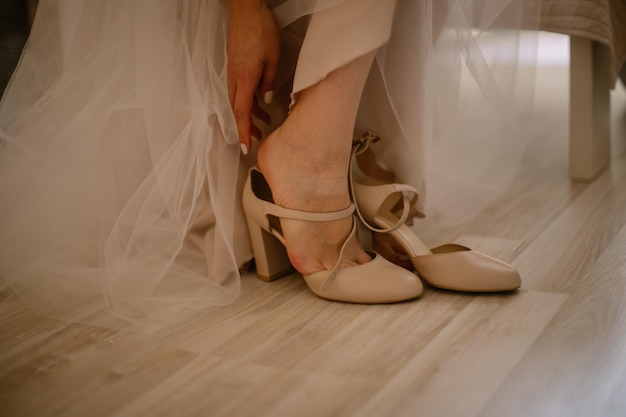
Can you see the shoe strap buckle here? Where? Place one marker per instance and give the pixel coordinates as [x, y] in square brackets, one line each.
[360, 145]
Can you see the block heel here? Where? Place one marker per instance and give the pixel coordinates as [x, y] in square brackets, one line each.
[270, 255]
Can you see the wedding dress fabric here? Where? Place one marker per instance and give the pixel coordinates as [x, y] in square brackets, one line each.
[120, 170]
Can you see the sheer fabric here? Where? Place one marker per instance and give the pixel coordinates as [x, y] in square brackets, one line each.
[120, 170]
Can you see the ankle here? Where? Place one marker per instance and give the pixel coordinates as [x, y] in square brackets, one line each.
[303, 171]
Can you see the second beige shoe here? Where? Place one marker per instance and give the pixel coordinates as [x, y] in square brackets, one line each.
[383, 208]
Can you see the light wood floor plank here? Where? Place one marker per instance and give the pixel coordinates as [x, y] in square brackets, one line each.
[578, 362]
[539, 258]
[207, 330]
[219, 386]
[20, 328]
[82, 371]
[459, 370]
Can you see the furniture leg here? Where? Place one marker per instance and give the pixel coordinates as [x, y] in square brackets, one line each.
[589, 152]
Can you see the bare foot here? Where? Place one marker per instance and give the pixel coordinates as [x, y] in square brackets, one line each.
[302, 177]
[305, 163]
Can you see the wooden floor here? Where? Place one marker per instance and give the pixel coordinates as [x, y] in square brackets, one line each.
[557, 347]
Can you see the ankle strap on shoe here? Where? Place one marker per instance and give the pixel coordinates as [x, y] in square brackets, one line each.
[409, 194]
[292, 214]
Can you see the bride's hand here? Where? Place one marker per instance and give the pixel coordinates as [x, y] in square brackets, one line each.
[253, 53]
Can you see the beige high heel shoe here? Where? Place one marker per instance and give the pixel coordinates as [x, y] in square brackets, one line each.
[384, 208]
[378, 281]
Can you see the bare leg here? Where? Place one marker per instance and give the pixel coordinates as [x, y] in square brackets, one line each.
[306, 160]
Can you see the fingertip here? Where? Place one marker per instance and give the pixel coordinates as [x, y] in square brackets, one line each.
[268, 97]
